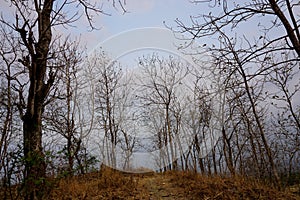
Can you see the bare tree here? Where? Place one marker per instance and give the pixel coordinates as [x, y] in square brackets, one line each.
[285, 99]
[160, 84]
[253, 59]
[34, 24]
[197, 121]
[61, 115]
[9, 129]
[106, 99]
[112, 109]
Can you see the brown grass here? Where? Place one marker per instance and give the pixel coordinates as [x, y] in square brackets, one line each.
[197, 186]
[112, 184]
[106, 184]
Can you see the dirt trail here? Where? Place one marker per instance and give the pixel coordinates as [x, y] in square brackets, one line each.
[159, 187]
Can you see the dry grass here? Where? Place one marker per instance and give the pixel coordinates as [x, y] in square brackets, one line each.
[196, 186]
[112, 184]
[106, 184]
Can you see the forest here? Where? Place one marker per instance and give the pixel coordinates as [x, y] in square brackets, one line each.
[232, 110]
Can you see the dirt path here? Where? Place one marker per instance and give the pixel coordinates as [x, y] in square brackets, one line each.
[159, 187]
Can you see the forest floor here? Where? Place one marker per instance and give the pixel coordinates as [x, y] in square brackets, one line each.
[108, 184]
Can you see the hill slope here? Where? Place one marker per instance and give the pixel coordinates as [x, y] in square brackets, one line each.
[111, 184]
[173, 185]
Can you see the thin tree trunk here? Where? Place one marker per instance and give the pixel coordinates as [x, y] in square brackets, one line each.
[228, 152]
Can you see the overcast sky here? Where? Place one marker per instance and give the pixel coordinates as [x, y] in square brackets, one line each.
[140, 14]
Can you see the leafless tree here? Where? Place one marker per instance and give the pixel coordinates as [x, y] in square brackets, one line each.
[33, 26]
[61, 115]
[253, 58]
[160, 83]
[9, 129]
[112, 104]
[286, 124]
[198, 121]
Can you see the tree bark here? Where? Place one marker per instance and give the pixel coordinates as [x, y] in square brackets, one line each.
[35, 167]
[292, 32]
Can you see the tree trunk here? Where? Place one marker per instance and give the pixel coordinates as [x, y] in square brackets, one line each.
[228, 152]
[35, 167]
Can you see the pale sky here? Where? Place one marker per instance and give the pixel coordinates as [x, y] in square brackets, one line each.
[141, 14]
